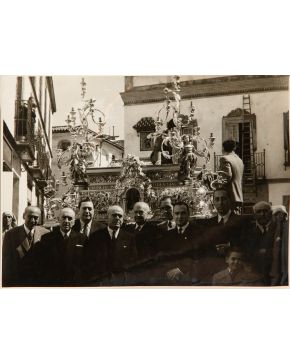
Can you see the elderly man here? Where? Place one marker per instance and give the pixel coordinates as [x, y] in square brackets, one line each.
[146, 234]
[86, 224]
[110, 252]
[18, 250]
[259, 240]
[59, 253]
[179, 250]
[8, 222]
[233, 167]
[166, 208]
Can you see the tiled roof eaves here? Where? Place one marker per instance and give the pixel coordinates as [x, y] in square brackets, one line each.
[211, 89]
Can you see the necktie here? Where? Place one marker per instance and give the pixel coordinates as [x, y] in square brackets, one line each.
[114, 235]
[169, 224]
[30, 238]
[65, 237]
[222, 221]
[179, 230]
[86, 230]
[138, 228]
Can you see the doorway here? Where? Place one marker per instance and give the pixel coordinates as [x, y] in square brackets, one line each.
[132, 197]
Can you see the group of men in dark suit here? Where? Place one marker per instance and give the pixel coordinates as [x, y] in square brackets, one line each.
[228, 249]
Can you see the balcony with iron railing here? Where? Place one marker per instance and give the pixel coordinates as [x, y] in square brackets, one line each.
[24, 129]
[258, 168]
[40, 168]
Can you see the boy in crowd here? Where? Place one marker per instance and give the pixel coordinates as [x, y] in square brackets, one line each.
[238, 272]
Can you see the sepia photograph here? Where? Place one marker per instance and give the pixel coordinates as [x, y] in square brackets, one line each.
[145, 181]
[113, 181]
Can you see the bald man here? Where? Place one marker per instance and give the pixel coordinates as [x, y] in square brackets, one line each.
[146, 234]
[59, 253]
[19, 244]
[109, 252]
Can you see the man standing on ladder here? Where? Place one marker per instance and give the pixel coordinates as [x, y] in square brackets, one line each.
[233, 167]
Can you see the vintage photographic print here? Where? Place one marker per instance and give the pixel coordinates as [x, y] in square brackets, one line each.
[145, 181]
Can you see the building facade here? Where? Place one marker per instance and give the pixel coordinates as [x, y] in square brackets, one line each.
[109, 152]
[223, 106]
[27, 105]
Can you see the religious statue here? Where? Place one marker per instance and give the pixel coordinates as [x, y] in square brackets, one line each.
[78, 165]
[188, 158]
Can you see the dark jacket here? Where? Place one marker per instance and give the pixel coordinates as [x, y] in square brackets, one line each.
[60, 260]
[18, 260]
[230, 232]
[259, 247]
[146, 240]
[95, 226]
[104, 257]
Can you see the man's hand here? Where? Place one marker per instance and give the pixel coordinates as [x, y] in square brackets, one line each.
[175, 274]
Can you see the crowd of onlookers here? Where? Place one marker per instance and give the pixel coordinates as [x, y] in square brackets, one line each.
[226, 250]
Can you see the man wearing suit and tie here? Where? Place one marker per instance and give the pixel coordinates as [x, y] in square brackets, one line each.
[109, 253]
[166, 208]
[262, 243]
[59, 253]
[146, 234]
[179, 250]
[19, 244]
[225, 227]
[233, 167]
[85, 224]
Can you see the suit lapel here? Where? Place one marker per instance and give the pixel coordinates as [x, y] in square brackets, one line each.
[70, 250]
[24, 245]
[121, 240]
[37, 235]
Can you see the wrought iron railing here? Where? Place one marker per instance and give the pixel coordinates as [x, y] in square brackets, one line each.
[259, 169]
[24, 122]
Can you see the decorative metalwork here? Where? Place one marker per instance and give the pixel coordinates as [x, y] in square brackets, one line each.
[181, 143]
[162, 175]
[98, 179]
[133, 176]
[86, 132]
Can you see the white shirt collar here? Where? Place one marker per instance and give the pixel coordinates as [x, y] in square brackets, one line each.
[183, 228]
[263, 228]
[139, 226]
[67, 233]
[83, 225]
[29, 230]
[225, 217]
[111, 232]
[172, 223]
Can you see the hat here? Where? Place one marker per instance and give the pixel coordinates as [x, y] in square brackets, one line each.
[279, 208]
